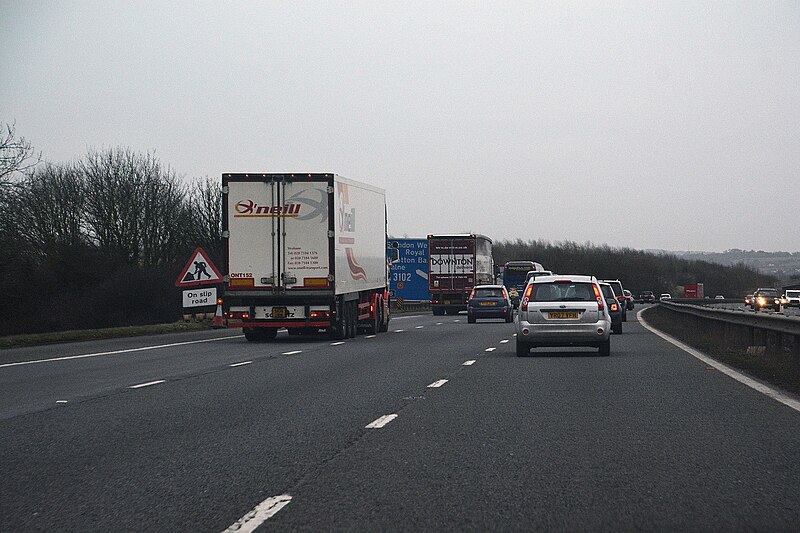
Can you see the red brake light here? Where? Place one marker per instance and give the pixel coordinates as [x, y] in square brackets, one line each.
[524, 303]
[614, 307]
[597, 294]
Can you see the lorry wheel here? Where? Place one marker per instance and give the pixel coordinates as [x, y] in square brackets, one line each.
[470, 320]
[337, 330]
[437, 311]
[268, 334]
[374, 321]
[251, 334]
[385, 317]
[353, 319]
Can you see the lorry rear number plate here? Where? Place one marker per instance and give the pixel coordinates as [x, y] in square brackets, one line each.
[563, 314]
[278, 312]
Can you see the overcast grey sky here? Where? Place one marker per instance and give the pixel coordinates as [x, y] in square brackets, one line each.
[513, 119]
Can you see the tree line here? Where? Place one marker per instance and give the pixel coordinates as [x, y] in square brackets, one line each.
[99, 241]
[638, 270]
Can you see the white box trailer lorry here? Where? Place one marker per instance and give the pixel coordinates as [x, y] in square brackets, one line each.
[306, 252]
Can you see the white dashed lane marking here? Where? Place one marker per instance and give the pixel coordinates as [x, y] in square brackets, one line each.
[439, 323]
[292, 352]
[419, 327]
[149, 383]
[468, 363]
[380, 422]
[504, 341]
[259, 514]
[337, 343]
[241, 364]
[490, 349]
[370, 336]
[399, 330]
[61, 401]
[437, 384]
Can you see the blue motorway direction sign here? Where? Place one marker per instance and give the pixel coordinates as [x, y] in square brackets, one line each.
[408, 274]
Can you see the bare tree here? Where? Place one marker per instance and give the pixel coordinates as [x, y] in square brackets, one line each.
[135, 209]
[205, 203]
[16, 153]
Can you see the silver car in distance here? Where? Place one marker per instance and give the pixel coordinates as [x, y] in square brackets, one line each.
[563, 311]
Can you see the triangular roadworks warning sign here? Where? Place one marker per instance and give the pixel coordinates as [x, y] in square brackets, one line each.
[199, 271]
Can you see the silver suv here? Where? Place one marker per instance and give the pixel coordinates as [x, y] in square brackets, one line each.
[563, 311]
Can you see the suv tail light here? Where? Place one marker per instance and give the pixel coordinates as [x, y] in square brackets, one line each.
[524, 303]
[597, 294]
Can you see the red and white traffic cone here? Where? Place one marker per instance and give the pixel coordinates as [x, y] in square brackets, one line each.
[218, 322]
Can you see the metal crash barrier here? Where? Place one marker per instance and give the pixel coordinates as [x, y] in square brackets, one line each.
[766, 333]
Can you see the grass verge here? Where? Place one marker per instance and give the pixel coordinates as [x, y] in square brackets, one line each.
[780, 370]
[37, 339]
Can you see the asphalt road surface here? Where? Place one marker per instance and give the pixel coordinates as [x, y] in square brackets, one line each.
[647, 439]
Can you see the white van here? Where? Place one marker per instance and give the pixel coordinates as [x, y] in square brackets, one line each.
[792, 298]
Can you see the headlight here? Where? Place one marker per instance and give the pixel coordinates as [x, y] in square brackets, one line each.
[761, 301]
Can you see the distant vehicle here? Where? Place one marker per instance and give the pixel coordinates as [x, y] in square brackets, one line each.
[629, 305]
[620, 294]
[563, 311]
[456, 264]
[748, 299]
[535, 273]
[305, 252]
[515, 277]
[489, 301]
[719, 297]
[647, 297]
[614, 309]
[766, 297]
[792, 298]
[665, 296]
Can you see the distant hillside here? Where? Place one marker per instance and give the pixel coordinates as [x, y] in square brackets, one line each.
[783, 265]
[637, 269]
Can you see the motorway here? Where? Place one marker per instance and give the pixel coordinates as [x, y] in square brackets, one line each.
[219, 430]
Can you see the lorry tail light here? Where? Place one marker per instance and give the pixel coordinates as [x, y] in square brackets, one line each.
[614, 307]
[601, 305]
[219, 301]
[320, 314]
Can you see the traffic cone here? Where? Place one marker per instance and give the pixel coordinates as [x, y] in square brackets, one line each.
[218, 322]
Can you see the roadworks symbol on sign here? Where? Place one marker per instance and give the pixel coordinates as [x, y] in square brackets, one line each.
[199, 271]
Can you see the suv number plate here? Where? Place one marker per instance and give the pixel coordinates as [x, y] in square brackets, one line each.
[563, 314]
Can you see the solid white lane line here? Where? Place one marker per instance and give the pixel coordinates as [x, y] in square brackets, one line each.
[370, 336]
[419, 327]
[292, 352]
[140, 385]
[490, 349]
[380, 422]
[259, 514]
[408, 316]
[504, 341]
[437, 384]
[61, 401]
[399, 330]
[468, 363]
[725, 369]
[337, 343]
[114, 352]
[241, 364]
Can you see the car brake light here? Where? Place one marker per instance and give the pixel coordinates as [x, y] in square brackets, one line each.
[597, 294]
[614, 307]
[524, 303]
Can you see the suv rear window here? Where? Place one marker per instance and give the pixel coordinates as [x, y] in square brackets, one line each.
[562, 292]
[607, 291]
[617, 286]
[488, 293]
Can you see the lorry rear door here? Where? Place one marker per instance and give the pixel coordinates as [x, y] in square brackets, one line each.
[278, 234]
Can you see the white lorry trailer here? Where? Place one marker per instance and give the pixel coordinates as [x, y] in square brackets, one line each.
[306, 252]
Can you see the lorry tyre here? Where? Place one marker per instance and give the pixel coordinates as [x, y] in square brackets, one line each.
[268, 334]
[470, 320]
[353, 319]
[251, 334]
[385, 317]
[337, 330]
[437, 311]
[375, 318]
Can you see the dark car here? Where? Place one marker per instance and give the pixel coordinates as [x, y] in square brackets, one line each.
[767, 297]
[489, 301]
[618, 292]
[629, 305]
[614, 308]
[647, 297]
